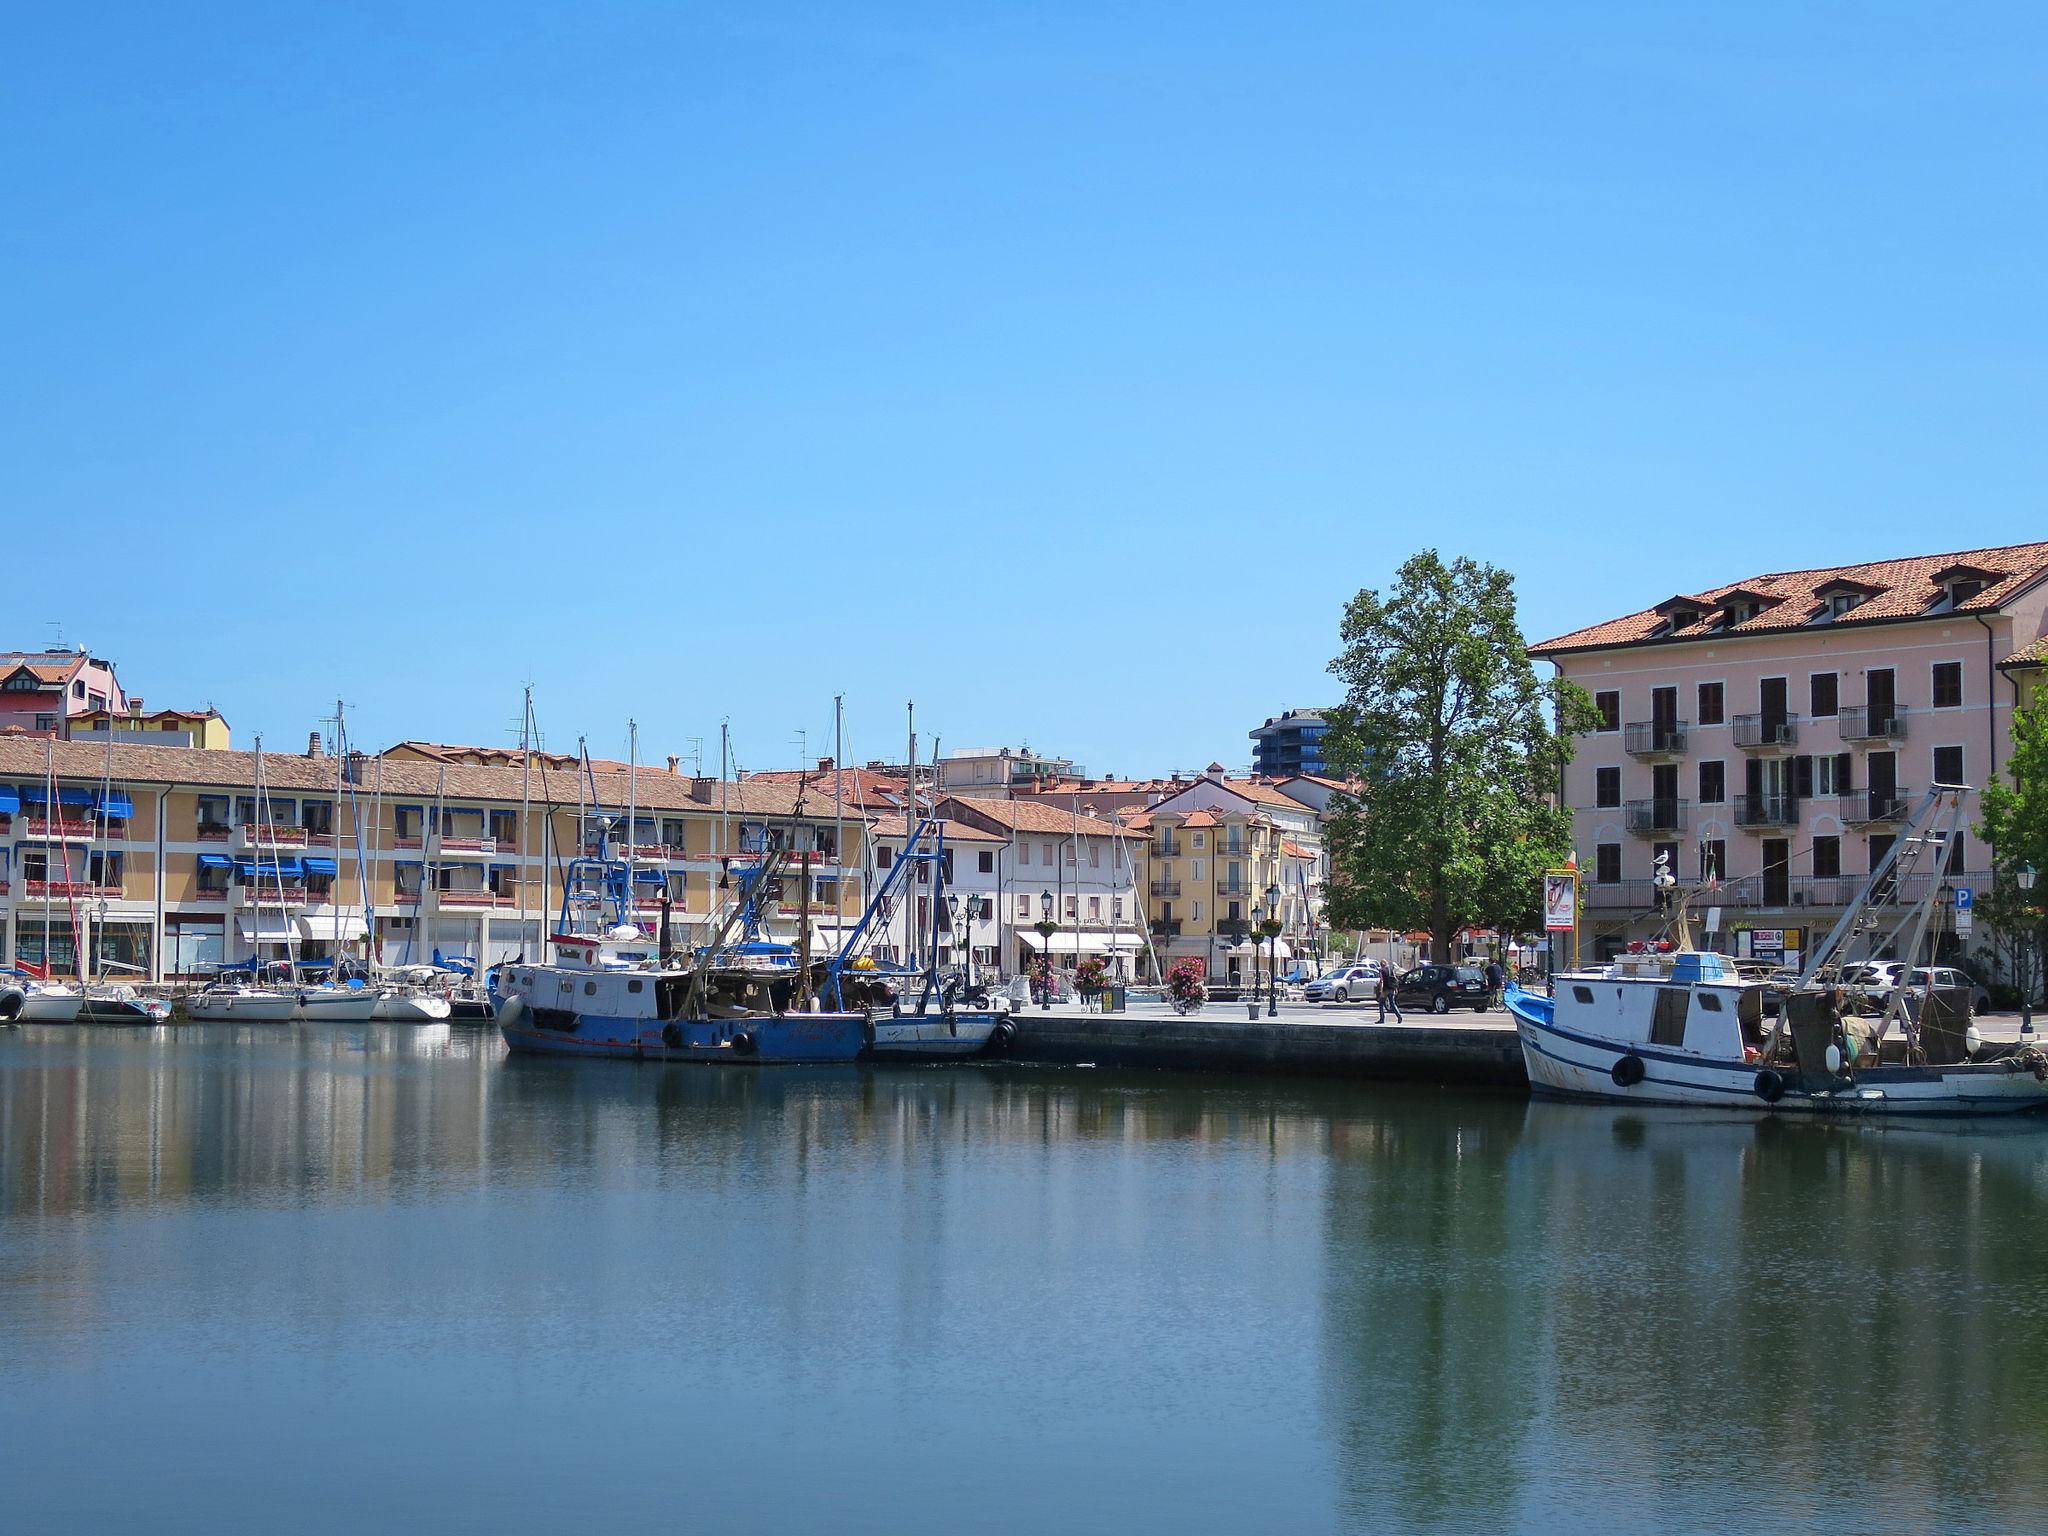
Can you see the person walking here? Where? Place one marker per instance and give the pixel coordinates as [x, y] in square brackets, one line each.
[1496, 982]
[1383, 994]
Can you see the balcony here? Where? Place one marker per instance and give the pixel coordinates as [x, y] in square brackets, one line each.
[1873, 807]
[1166, 927]
[1654, 738]
[467, 898]
[69, 890]
[1858, 723]
[1766, 733]
[251, 837]
[443, 845]
[1766, 810]
[271, 895]
[42, 829]
[1647, 818]
[1166, 850]
[1165, 887]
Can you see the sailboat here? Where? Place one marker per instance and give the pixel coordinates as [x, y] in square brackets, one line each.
[1669, 1024]
[335, 1000]
[108, 1001]
[46, 1000]
[240, 993]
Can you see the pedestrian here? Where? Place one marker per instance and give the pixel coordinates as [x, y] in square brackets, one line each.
[1383, 993]
[1496, 982]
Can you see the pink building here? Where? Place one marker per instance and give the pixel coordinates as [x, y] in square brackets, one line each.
[1775, 731]
[41, 690]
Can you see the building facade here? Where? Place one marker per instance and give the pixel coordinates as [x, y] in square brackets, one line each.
[40, 691]
[1773, 735]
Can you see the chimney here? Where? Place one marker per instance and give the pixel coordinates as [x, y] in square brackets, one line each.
[313, 747]
[824, 765]
[674, 763]
[135, 704]
[356, 759]
[700, 790]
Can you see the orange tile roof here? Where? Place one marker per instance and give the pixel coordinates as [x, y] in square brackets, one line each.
[1037, 816]
[1903, 589]
[2034, 655]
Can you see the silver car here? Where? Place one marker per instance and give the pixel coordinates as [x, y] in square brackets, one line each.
[1343, 984]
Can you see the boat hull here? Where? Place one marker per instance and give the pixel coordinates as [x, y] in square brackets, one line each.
[341, 1005]
[410, 1008]
[775, 1041]
[51, 1008]
[245, 1007]
[936, 1037]
[1569, 1063]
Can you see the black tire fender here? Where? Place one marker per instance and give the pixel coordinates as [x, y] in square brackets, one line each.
[1770, 1085]
[743, 1044]
[672, 1035]
[1628, 1071]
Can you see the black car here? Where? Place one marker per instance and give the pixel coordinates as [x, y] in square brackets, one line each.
[1440, 988]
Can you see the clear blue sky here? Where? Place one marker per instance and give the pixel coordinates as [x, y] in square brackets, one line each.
[1064, 367]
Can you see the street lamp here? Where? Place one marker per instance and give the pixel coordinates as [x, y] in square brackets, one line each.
[2026, 882]
[953, 911]
[1273, 927]
[1046, 929]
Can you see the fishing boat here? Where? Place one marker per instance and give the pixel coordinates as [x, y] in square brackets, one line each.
[611, 991]
[1669, 1024]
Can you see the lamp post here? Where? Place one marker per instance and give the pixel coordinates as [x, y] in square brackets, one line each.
[1273, 926]
[1046, 929]
[2026, 882]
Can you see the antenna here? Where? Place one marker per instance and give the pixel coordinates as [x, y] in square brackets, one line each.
[696, 745]
[803, 756]
[56, 625]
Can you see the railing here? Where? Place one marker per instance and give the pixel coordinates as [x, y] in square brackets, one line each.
[42, 826]
[1166, 850]
[265, 894]
[1868, 806]
[484, 847]
[474, 899]
[1766, 810]
[1165, 887]
[1857, 723]
[215, 832]
[1166, 927]
[415, 840]
[1653, 738]
[255, 836]
[1659, 814]
[212, 893]
[61, 890]
[1766, 732]
[405, 898]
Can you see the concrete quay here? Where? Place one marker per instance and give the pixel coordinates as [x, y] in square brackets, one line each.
[1462, 1050]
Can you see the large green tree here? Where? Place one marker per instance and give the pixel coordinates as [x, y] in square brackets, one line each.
[2015, 824]
[1457, 746]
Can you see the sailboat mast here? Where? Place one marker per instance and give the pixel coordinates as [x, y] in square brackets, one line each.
[525, 807]
[910, 934]
[632, 813]
[839, 817]
[724, 801]
[334, 831]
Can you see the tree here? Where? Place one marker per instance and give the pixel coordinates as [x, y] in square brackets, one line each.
[2015, 824]
[1458, 748]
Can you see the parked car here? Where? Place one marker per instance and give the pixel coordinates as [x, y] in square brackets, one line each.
[1440, 988]
[1343, 984]
[1949, 976]
[1875, 979]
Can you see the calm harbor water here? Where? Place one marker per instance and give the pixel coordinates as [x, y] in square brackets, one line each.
[341, 1279]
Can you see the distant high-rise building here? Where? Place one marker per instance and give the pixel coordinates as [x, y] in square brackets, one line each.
[1289, 743]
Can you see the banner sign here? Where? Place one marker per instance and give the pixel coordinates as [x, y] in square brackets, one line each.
[1561, 899]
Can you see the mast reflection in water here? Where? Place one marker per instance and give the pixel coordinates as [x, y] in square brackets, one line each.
[315, 1278]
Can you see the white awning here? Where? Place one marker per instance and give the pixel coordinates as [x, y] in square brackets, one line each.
[1257, 947]
[344, 926]
[1085, 943]
[267, 927]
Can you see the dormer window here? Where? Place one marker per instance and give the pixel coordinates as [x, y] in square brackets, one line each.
[1962, 590]
[1684, 618]
[1842, 602]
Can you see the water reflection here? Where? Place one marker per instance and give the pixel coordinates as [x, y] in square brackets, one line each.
[1276, 1305]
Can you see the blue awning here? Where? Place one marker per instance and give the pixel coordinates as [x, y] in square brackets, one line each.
[213, 861]
[39, 794]
[10, 800]
[115, 802]
[649, 877]
[319, 866]
[285, 869]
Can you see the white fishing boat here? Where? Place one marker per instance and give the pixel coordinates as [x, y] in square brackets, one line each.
[1669, 1024]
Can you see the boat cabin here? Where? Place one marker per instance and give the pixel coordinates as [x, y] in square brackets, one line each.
[1689, 1001]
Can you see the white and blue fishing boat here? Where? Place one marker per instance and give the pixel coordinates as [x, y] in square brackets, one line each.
[1669, 1024]
[614, 991]
[929, 1018]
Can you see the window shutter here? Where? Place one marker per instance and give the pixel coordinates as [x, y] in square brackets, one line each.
[1842, 784]
[1802, 777]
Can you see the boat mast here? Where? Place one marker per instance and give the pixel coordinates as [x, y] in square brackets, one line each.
[525, 808]
[632, 811]
[724, 800]
[910, 934]
[839, 817]
[355, 817]
[333, 825]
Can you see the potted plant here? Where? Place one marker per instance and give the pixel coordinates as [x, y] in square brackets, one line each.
[1090, 976]
[1184, 987]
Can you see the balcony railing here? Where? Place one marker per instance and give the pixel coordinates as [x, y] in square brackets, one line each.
[65, 890]
[1166, 850]
[65, 829]
[1165, 887]
[257, 836]
[1166, 927]
[1659, 814]
[1654, 738]
[473, 899]
[1859, 723]
[444, 844]
[1867, 807]
[268, 894]
[1766, 810]
[1766, 733]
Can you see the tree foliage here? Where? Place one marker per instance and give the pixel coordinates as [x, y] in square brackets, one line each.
[2015, 824]
[1458, 747]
